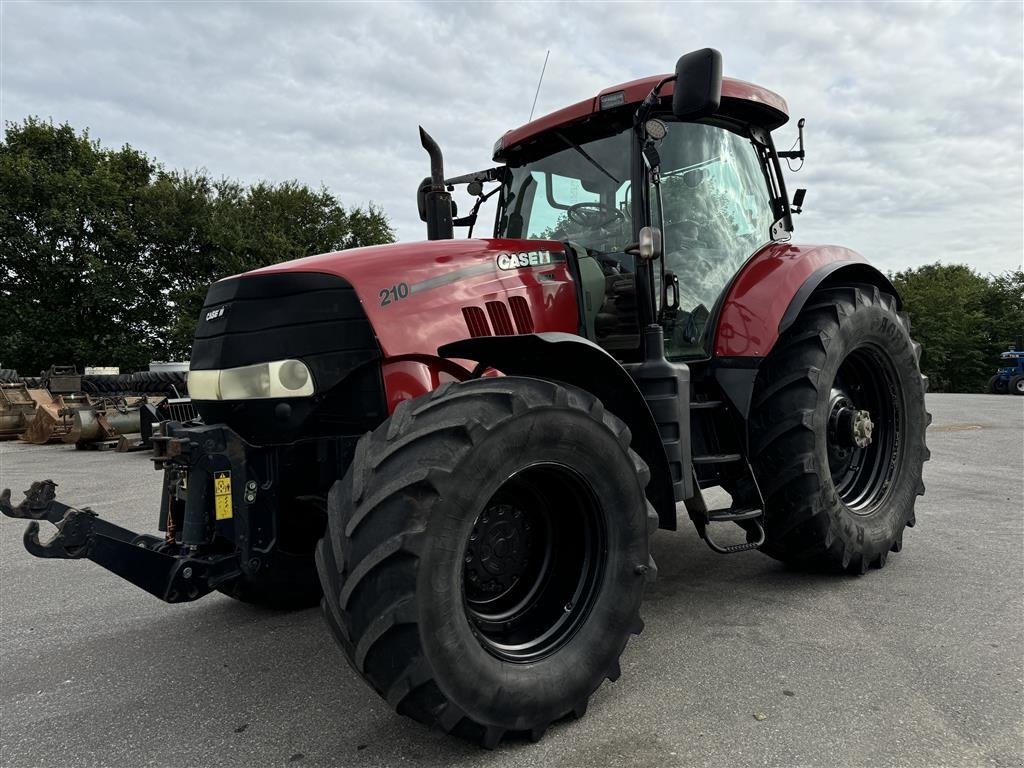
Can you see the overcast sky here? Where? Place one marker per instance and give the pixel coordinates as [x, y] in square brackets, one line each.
[914, 111]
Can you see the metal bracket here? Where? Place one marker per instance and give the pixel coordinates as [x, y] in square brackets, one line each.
[146, 561]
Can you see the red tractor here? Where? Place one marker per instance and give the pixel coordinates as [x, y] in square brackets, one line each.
[463, 447]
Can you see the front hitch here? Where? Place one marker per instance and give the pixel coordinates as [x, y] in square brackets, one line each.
[149, 562]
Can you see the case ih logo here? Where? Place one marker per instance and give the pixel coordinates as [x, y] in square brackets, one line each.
[524, 259]
[213, 314]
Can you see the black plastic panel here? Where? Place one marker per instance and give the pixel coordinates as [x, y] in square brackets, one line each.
[312, 317]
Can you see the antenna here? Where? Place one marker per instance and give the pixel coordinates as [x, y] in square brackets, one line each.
[541, 80]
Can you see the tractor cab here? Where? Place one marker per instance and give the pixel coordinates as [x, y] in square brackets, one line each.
[700, 173]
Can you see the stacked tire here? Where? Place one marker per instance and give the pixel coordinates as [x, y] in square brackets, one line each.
[171, 383]
[116, 384]
[163, 383]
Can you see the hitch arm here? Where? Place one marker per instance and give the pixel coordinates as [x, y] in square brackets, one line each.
[143, 560]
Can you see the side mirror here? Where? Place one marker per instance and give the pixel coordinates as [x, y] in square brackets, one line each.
[698, 88]
[421, 198]
[650, 243]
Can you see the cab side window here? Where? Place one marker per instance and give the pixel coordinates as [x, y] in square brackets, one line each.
[718, 212]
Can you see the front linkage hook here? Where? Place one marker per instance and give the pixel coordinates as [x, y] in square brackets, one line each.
[74, 526]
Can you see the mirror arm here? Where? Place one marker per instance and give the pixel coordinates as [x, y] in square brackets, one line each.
[796, 154]
[649, 101]
[491, 174]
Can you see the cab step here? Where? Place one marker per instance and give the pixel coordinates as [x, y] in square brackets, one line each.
[748, 519]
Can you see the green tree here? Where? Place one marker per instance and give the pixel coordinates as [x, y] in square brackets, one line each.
[963, 320]
[105, 256]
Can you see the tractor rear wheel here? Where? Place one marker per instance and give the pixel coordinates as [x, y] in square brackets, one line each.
[837, 432]
[486, 554]
[1017, 385]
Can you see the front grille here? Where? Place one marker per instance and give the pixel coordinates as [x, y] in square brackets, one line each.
[308, 316]
[254, 318]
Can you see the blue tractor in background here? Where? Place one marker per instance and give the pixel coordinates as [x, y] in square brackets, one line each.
[1010, 376]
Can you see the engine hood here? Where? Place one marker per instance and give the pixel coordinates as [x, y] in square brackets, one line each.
[421, 295]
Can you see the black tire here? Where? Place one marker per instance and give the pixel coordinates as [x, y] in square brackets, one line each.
[828, 502]
[993, 385]
[9, 375]
[288, 580]
[415, 605]
[1017, 385]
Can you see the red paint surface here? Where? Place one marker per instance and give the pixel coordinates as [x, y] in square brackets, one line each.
[635, 92]
[407, 379]
[426, 319]
[748, 325]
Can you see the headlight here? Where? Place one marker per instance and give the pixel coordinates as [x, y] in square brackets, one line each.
[281, 378]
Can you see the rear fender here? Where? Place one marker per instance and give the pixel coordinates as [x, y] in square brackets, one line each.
[581, 363]
[768, 296]
[837, 273]
[775, 282]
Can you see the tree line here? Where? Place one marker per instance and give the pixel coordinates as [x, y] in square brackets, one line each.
[106, 256]
[963, 320]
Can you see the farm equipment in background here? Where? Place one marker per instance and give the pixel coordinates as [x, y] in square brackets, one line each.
[178, 409]
[90, 410]
[464, 446]
[53, 416]
[105, 421]
[17, 410]
[1010, 376]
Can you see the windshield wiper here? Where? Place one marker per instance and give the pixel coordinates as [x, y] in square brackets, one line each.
[586, 157]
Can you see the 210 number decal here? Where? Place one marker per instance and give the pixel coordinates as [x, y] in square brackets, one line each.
[396, 292]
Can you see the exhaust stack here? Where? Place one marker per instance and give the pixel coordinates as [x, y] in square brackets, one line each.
[435, 204]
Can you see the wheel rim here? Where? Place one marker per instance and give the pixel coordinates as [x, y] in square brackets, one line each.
[533, 563]
[865, 424]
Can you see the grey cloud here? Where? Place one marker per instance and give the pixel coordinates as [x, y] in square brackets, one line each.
[914, 110]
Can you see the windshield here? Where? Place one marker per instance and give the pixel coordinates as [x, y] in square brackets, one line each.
[580, 194]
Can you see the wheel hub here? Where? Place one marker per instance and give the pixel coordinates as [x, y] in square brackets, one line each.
[498, 551]
[849, 427]
[533, 563]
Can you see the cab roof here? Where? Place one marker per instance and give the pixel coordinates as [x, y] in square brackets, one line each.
[740, 99]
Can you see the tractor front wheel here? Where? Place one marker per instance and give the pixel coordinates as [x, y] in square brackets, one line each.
[837, 432]
[486, 554]
[997, 385]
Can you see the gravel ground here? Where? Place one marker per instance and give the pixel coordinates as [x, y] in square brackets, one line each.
[743, 662]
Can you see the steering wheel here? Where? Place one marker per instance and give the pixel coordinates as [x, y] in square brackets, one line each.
[593, 214]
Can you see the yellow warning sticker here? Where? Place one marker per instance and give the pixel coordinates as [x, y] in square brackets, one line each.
[222, 495]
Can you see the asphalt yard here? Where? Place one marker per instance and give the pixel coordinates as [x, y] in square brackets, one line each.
[742, 663]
